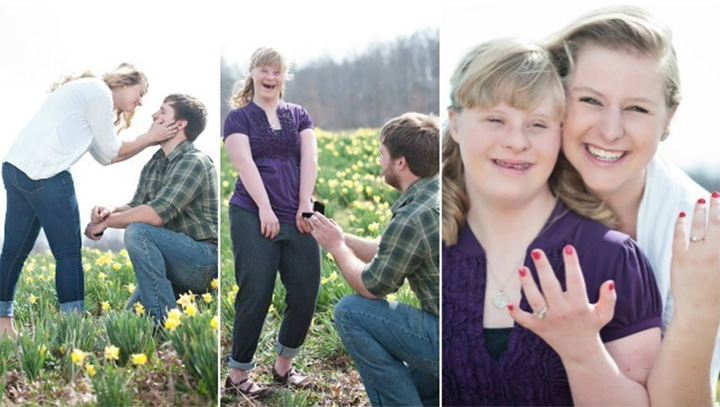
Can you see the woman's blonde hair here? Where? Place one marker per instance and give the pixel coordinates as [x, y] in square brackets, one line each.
[124, 75]
[623, 28]
[245, 89]
[509, 71]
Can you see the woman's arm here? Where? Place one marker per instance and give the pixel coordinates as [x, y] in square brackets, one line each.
[238, 148]
[613, 374]
[681, 375]
[308, 176]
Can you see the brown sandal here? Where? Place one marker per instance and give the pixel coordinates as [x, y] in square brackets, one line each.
[231, 386]
[292, 378]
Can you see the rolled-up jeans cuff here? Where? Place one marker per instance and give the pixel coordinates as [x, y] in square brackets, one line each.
[72, 306]
[284, 351]
[6, 309]
[234, 364]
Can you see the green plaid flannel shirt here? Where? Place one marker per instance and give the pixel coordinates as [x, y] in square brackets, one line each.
[182, 189]
[410, 247]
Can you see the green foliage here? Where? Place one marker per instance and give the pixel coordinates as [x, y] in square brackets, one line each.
[111, 387]
[130, 333]
[197, 347]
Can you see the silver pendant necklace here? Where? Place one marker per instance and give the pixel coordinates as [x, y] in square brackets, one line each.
[500, 300]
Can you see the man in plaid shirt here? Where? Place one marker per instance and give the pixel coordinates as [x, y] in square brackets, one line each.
[394, 345]
[171, 222]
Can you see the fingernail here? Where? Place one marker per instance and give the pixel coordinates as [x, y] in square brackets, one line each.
[568, 250]
[716, 194]
[511, 307]
[522, 272]
[701, 201]
[536, 254]
[611, 286]
[682, 214]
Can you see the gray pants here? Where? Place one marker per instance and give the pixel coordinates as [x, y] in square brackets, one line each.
[257, 261]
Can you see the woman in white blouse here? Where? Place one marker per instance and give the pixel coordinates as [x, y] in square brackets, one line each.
[80, 115]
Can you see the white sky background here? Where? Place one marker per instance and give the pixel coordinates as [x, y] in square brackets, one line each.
[40, 44]
[309, 30]
[694, 138]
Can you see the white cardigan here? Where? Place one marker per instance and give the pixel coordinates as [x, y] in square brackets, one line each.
[668, 191]
[75, 118]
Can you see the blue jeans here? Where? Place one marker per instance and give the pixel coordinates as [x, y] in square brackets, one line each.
[395, 348]
[51, 204]
[167, 263]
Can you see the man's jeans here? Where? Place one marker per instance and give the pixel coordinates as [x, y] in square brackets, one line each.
[52, 204]
[167, 263]
[395, 347]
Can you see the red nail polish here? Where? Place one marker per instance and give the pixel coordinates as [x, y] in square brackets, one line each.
[511, 307]
[568, 250]
[536, 254]
[701, 201]
[716, 194]
[611, 286]
[682, 214]
[522, 272]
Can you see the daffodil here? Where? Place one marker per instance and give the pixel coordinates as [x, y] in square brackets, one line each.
[186, 299]
[191, 310]
[138, 359]
[214, 283]
[33, 299]
[139, 308]
[112, 352]
[102, 276]
[90, 369]
[130, 287]
[174, 313]
[207, 297]
[172, 323]
[105, 305]
[116, 266]
[215, 322]
[78, 356]
[391, 297]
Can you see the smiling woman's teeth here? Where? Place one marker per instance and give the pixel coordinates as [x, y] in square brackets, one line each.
[605, 155]
[521, 167]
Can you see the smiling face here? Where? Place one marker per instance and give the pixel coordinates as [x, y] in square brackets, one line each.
[617, 114]
[128, 98]
[508, 154]
[268, 81]
[166, 114]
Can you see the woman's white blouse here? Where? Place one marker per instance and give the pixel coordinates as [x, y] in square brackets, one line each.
[75, 118]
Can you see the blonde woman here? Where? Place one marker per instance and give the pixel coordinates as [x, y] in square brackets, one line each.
[77, 117]
[272, 145]
[589, 332]
[623, 84]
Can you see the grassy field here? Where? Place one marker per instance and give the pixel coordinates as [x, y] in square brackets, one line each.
[106, 356]
[350, 184]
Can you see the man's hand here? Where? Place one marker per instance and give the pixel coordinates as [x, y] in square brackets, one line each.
[94, 231]
[327, 233]
[100, 213]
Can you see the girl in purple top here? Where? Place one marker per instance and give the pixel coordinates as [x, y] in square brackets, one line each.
[272, 145]
[540, 306]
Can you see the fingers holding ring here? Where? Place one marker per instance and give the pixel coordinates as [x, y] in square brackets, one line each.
[541, 314]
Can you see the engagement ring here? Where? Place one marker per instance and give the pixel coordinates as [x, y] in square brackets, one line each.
[694, 239]
[541, 314]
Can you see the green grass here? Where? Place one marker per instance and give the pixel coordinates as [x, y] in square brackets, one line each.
[351, 185]
[39, 369]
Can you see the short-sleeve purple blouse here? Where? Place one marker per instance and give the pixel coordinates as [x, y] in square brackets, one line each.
[529, 372]
[277, 156]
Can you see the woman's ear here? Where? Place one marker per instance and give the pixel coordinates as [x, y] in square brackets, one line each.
[452, 124]
[666, 129]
